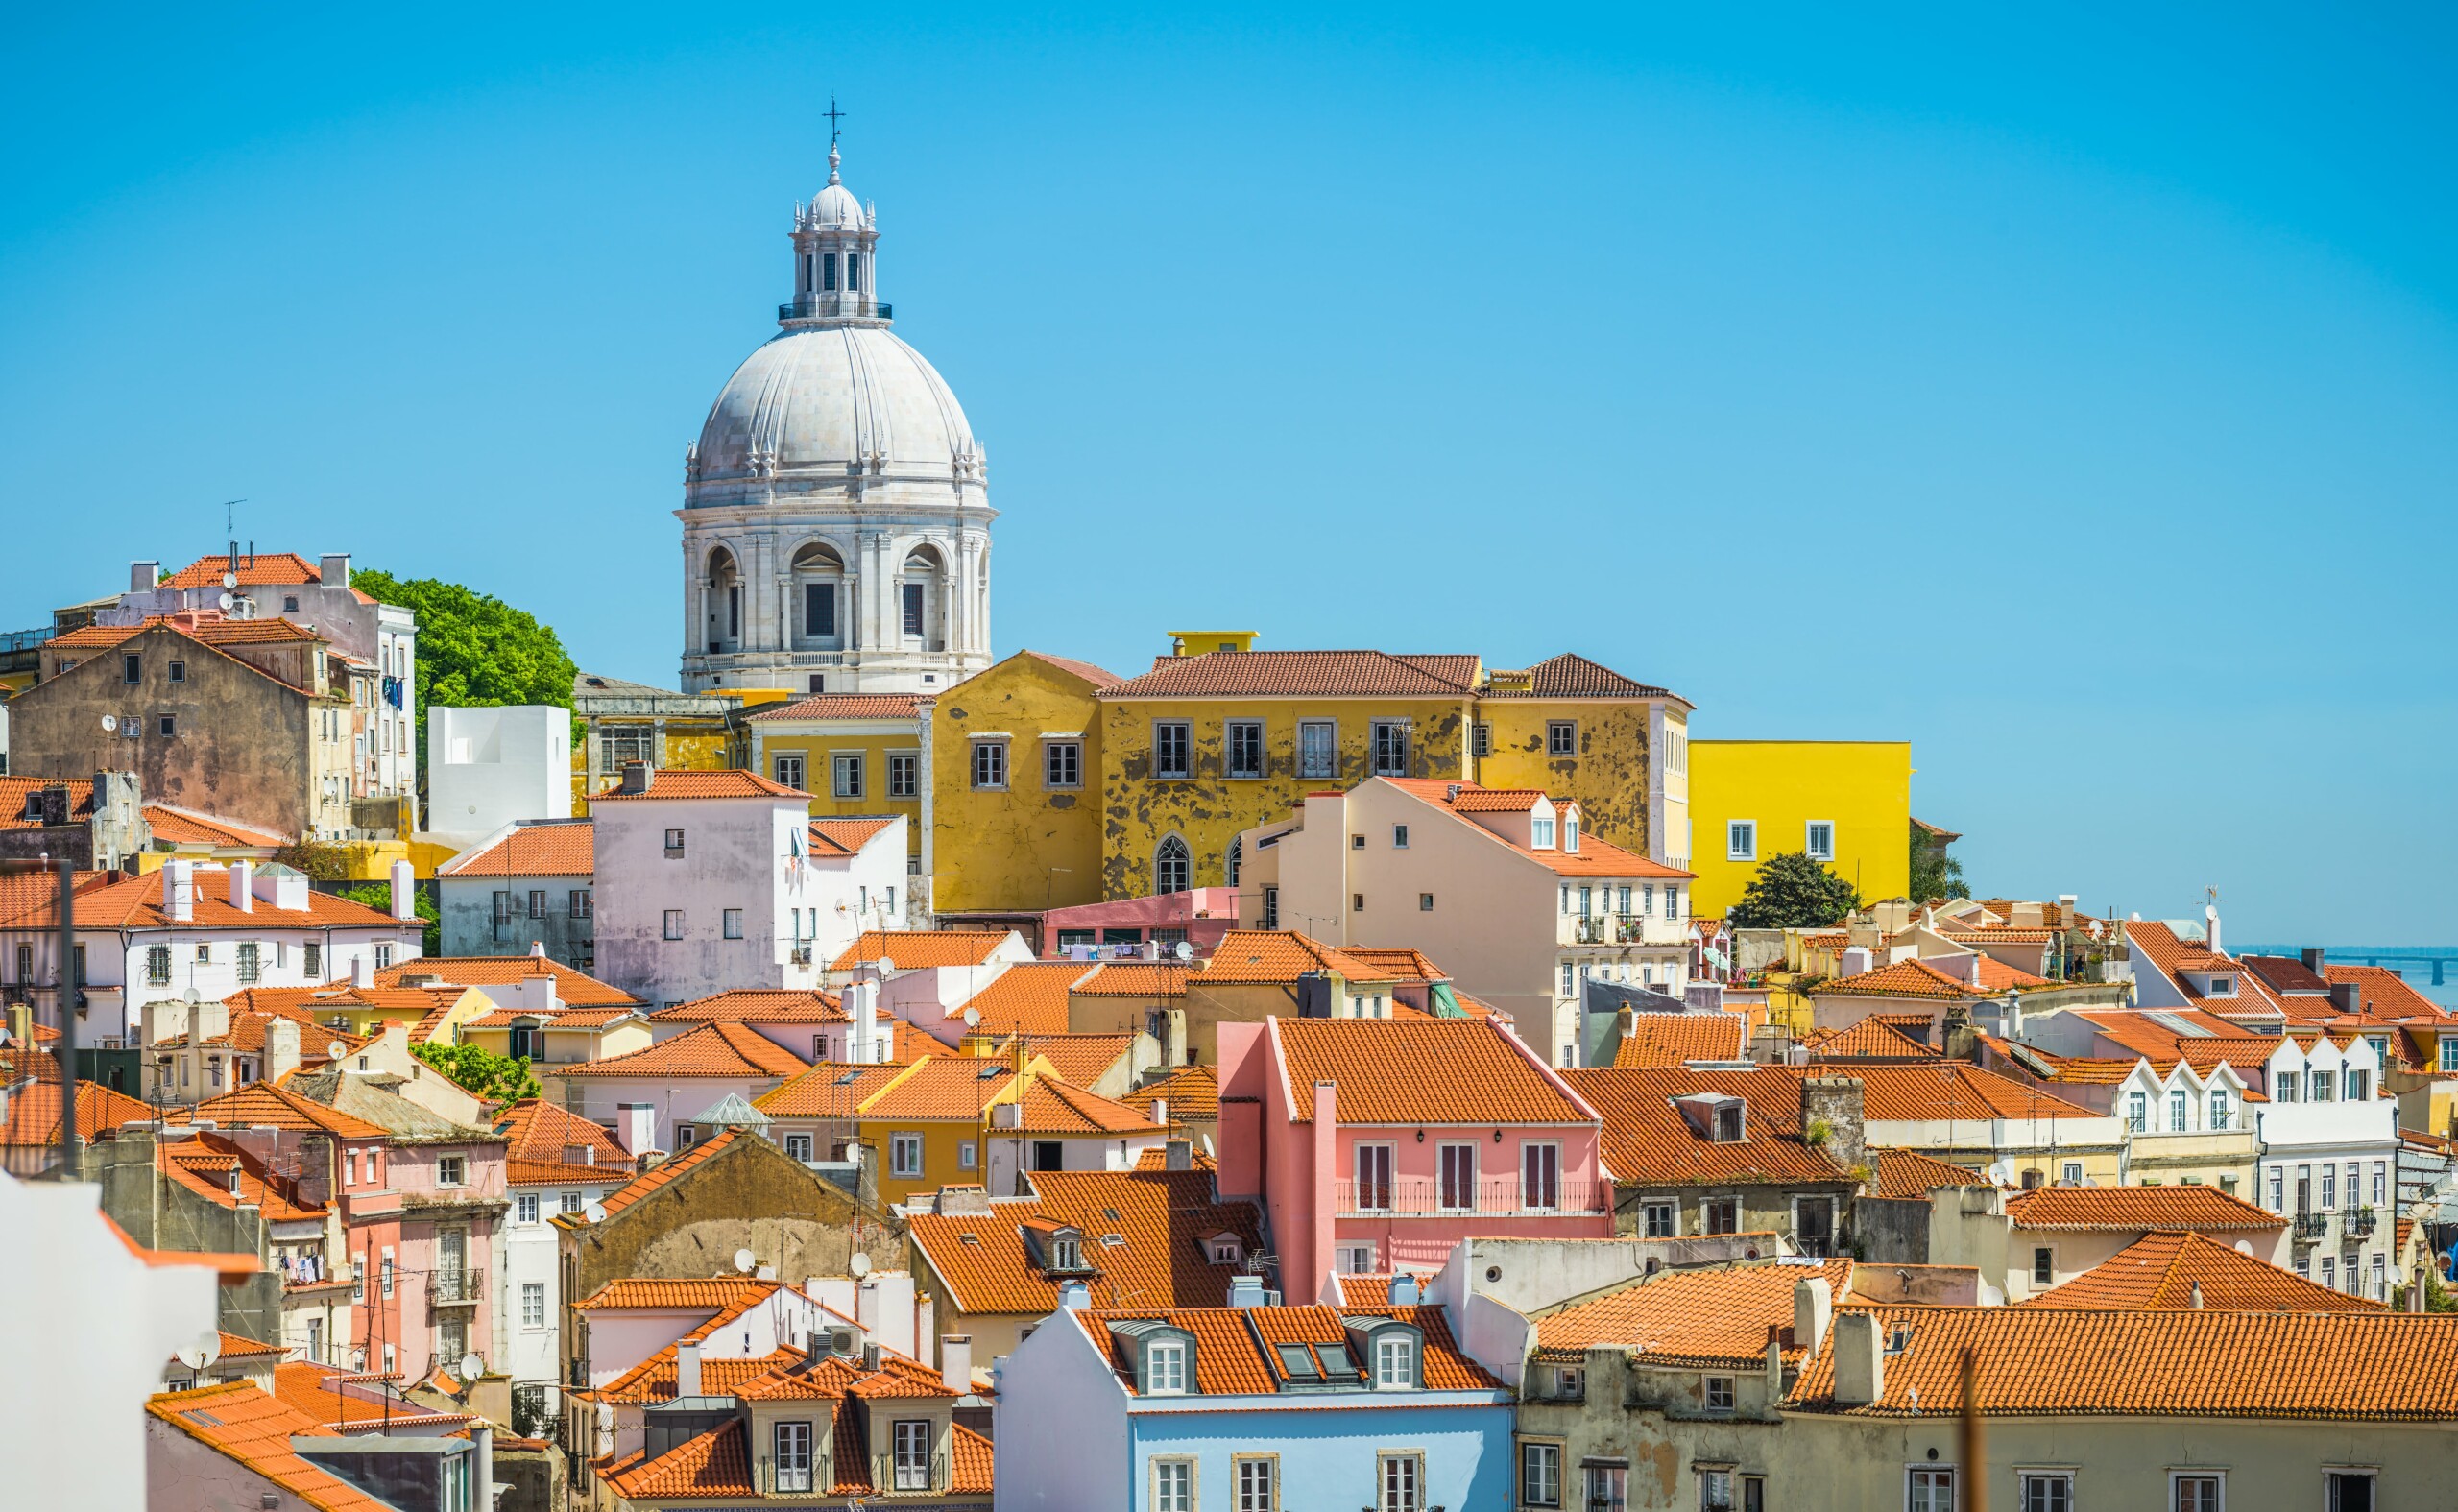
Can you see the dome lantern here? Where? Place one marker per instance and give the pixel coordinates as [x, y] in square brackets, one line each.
[836, 269]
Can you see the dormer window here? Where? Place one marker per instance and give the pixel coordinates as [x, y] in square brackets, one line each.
[2283, 1087]
[2326, 1087]
[2222, 987]
[1541, 834]
[1226, 1252]
[1067, 1254]
[2359, 1086]
[1729, 1119]
[1165, 1370]
[1570, 831]
[1395, 1363]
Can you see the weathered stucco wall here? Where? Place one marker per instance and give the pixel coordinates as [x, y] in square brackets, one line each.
[1608, 776]
[1027, 845]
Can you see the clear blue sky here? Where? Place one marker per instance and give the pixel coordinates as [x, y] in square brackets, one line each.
[2068, 391]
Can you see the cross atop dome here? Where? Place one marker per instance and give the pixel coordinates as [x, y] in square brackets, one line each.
[836, 130]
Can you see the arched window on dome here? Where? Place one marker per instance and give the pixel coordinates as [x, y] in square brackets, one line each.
[819, 598]
[722, 593]
[922, 600]
[1169, 865]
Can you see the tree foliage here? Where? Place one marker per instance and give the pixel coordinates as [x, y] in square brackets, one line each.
[1934, 872]
[379, 895]
[474, 648]
[1793, 892]
[475, 1069]
[316, 860]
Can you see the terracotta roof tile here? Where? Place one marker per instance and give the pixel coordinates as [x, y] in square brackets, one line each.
[1909, 1173]
[1673, 1038]
[1944, 1092]
[544, 1138]
[564, 1018]
[225, 1175]
[846, 705]
[1404, 963]
[1229, 1361]
[1192, 1091]
[186, 826]
[845, 836]
[2181, 1270]
[2160, 946]
[1706, 1317]
[1053, 1107]
[573, 989]
[256, 569]
[1099, 677]
[1648, 1142]
[261, 1102]
[32, 1112]
[2384, 991]
[1573, 676]
[648, 1182]
[1282, 955]
[714, 1464]
[1290, 674]
[137, 903]
[755, 1005]
[1430, 1071]
[209, 629]
[565, 849]
[827, 1091]
[2203, 1209]
[940, 1088]
[677, 783]
[1160, 1219]
[1872, 1038]
[918, 949]
[1596, 856]
[710, 1294]
[1916, 978]
[1082, 1059]
[1134, 979]
[653, 1379]
[1029, 997]
[718, 1048]
[254, 1428]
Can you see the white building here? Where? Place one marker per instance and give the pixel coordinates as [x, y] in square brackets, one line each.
[554, 1163]
[2329, 1152]
[921, 976]
[835, 509]
[488, 768]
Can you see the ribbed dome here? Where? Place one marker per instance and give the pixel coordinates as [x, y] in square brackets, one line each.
[834, 208]
[826, 398]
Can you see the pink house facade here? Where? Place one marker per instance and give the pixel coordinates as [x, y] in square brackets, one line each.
[1378, 1144]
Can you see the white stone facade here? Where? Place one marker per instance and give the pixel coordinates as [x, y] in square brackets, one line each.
[836, 510]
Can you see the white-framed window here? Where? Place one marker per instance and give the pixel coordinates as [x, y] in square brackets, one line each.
[990, 763]
[905, 774]
[798, 1147]
[1456, 1178]
[571, 1202]
[2197, 1491]
[1391, 748]
[2381, 1181]
[2283, 1087]
[1570, 832]
[967, 1154]
[1258, 1478]
[911, 1437]
[1720, 1216]
[1741, 840]
[1715, 1489]
[1561, 737]
[2073, 1173]
[2137, 1112]
[1716, 1393]
[2450, 1052]
[732, 918]
[2179, 1121]
[2348, 1488]
[1271, 907]
[2326, 1086]
[1399, 837]
[1174, 1485]
[533, 1304]
[674, 923]
[904, 1154]
[673, 843]
[1353, 1259]
[1607, 1487]
[1400, 1482]
[845, 773]
[1318, 748]
[1540, 1175]
[1929, 1488]
[1817, 838]
[2046, 1489]
[1480, 738]
[1658, 1219]
[793, 1456]
[1062, 763]
[1244, 747]
[2223, 1113]
[790, 771]
[1172, 866]
[1165, 1369]
[1570, 979]
[1173, 748]
[524, 1207]
[1541, 834]
[1395, 1363]
[384, 1272]
[1541, 1474]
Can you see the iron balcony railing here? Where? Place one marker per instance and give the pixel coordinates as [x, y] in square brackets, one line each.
[455, 1285]
[823, 306]
[2358, 1224]
[1430, 1196]
[897, 1473]
[2311, 1226]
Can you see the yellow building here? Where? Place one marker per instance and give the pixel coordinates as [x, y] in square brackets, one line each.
[927, 1125]
[1847, 804]
[624, 722]
[1017, 755]
[857, 754]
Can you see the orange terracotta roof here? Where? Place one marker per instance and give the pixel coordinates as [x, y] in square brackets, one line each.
[2222, 1044]
[714, 1464]
[1082, 1059]
[180, 827]
[254, 1428]
[1909, 1173]
[755, 1005]
[1691, 1317]
[2204, 1209]
[233, 1347]
[827, 1091]
[846, 705]
[1674, 1039]
[1870, 1039]
[2171, 957]
[834, 1376]
[653, 1379]
[1404, 963]
[2384, 991]
[1283, 955]
[1192, 1091]
[2055, 1361]
[1573, 676]
[1596, 856]
[544, 1143]
[1289, 674]
[1648, 1142]
[256, 569]
[1916, 978]
[209, 628]
[219, 1171]
[572, 989]
[567, 848]
[565, 1017]
[1229, 1361]
[1099, 677]
[1053, 1107]
[674, 783]
[1943, 1093]
[1134, 979]
[137, 903]
[940, 1088]
[648, 1182]
[32, 1112]
[318, 1391]
[710, 1294]
[844, 836]
[919, 950]
[1029, 997]
[261, 1102]
[720, 1048]
[2181, 1269]
[1418, 1071]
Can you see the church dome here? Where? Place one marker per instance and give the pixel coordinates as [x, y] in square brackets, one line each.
[833, 400]
[834, 208]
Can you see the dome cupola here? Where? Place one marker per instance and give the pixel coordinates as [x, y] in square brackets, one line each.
[836, 274]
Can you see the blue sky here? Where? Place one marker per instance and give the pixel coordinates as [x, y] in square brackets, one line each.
[2071, 394]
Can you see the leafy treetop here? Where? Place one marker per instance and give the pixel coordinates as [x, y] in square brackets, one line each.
[1793, 892]
[475, 1069]
[474, 648]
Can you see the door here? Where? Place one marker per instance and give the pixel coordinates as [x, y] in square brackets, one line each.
[1540, 1176]
[1458, 1178]
[1373, 1177]
[1814, 1225]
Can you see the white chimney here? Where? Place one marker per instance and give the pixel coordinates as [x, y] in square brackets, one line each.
[404, 891]
[1857, 960]
[866, 1025]
[956, 1363]
[360, 975]
[332, 569]
[687, 1370]
[1813, 1308]
[143, 576]
[243, 878]
[179, 902]
[538, 949]
[1860, 1360]
[281, 1048]
[2210, 928]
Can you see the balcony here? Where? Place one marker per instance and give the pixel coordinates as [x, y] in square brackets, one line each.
[1487, 1196]
[455, 1288]
[900, 1474]
[836, 306]
[1589, 930]
[2310, 1227]
[2357, 1223]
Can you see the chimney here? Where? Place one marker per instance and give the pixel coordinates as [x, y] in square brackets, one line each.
[482, 1448]
[2210, 928]
[1178, 1155]
[1404, 1291]
[332, 569]
[1812, 1310]
[192, 1081]
[1074, 1296]
[360, 975]
[687, 1370]
[281, 1047]
[2345, 998]
[1836, 1101]
[2066, 909]
[1246, 1291]
[1857, 960]
[243, 881]
[2197, 1296]
[636, 778]
[143, 576]
[1860, 1360]
[405, 891]
[956, 1363]
[179, 903]
[538, 949]
[2313, 964]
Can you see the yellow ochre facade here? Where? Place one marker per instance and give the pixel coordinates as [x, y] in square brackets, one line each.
[858, 755]
[1753, 800]
[1021, 828]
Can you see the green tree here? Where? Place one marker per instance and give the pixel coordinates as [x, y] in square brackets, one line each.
[379, 895]
[496, 1078]
[1793, 892]
[474, 648]
[1934, 872]
[317, 861]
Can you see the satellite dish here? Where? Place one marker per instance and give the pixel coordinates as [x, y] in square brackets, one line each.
[594, 1210]
[334, 1049]
[227, 601]
[110, 722]
[1184, 951]
[859, 1265]
[192, 996]
[745, 1262]
[203, 1351]
[229, 580]
[886, 966]
[973, 1018]
[471, 1367]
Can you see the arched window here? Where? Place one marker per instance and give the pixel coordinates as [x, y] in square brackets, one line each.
[1236, 858]
[724, 601]
[819, 576]
[1169, 865]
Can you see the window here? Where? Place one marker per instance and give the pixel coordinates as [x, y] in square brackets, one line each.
[533, 1304]
[793, 1456]
[1570, 979]
[570, 1202]
[1714, 1491]
[1172, 1485]
[989, 763]
[1741, 840]
[2047, 1493]
[157, 966]
[2324, 1085]
[2348, 1490]
[1541, 834]
[904, 1155]
[968, 1154]
[2354, 1184]
[525, 1206]
[1171, 867]
[2380, 1180]
[449, 1170]
[2176, 1120]
[1819, 840]
[1165, 1370]
[1561, 737]
[311, 960]
[1456, 1182]
[1390, 738]
[845, 773]
[798, 1147]
[1480, 738]
[1047, 1155]
[131, 669]
[2136, 1113]
[1607, 1486]
[1541, 1474]
[1673, 901]
[2329, 1273]
[1401, 1480]
[2380, 1279]
[1570, 831]
[1173, 748]
[1720, 1216]
[1373, 1177]
[1258, 1484]
[384, 1273]
[1271, 907]
[2450, 1052]
[1425, 902]
[819, 609]
[2329, 1187]
[1395, 1363]
[912, 609]
[905, 774]
[1245, 746]
[536, 902]
[1540, 1175]
[674, 923]
[1062, 764]
[1931, 1489]
[1656, 1221]
[179, 671]
[2195, 1493]
[673, 843]
[2043, 1266]
[1318, 748]
[167, 726]
[250, 962]
[2359, 1085]
[2283, 1087]
[1399, 837]
[2222, 1113]
[1718, 1393]
[1237, 861]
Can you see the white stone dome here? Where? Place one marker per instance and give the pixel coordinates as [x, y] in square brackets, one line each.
[834, 208]
[833, 400]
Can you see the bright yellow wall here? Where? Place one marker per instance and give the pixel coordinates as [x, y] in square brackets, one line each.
[819, 746]
[1208, 809]
[1862, 787]
[1003, 849]
[1608, 776]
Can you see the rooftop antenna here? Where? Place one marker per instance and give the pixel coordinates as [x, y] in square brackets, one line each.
[231, 531]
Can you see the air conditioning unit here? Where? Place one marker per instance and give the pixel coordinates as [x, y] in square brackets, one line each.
[843, 1341]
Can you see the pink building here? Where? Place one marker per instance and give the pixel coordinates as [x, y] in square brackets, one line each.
[1378, 1144]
